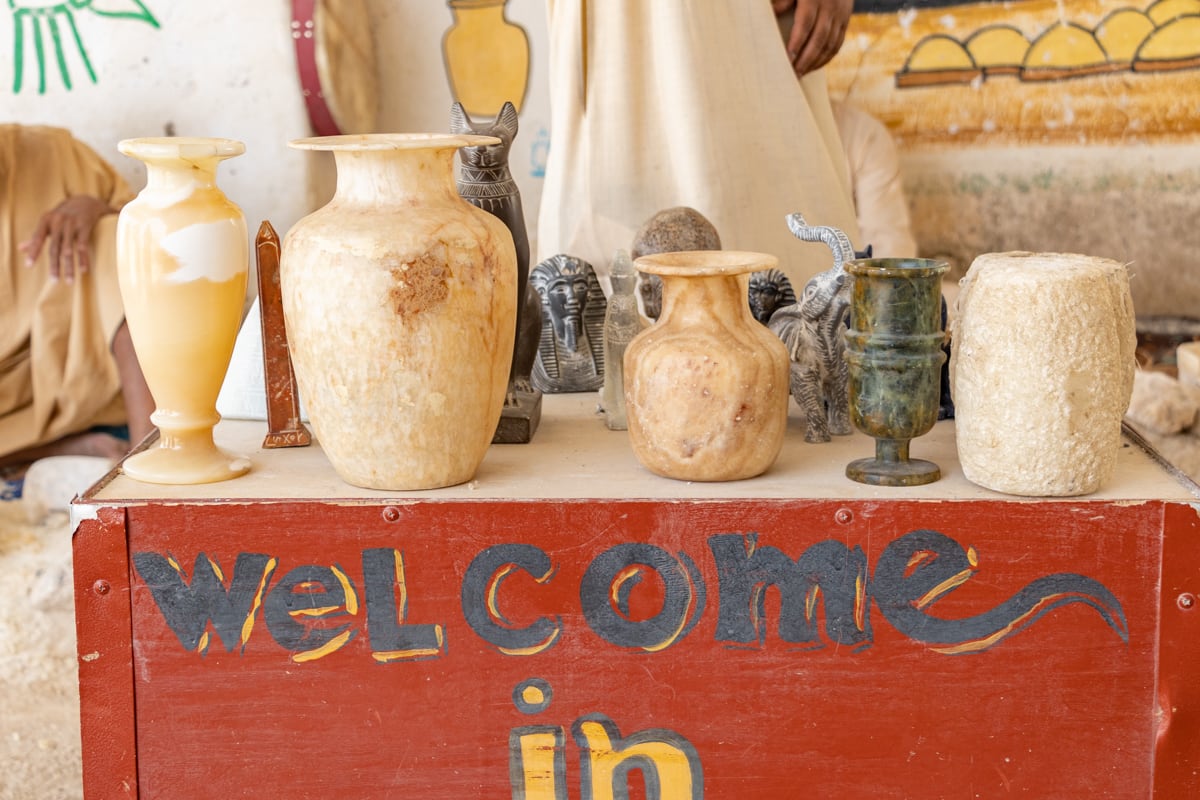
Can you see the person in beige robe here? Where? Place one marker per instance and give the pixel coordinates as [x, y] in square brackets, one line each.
[693, 103]
[66, 362]
[874, 165]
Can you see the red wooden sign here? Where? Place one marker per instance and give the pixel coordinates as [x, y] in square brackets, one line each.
[720, 649]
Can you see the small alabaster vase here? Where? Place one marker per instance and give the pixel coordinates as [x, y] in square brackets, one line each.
[399, 299]
[706, 386]
[182, 265]
[894, 358]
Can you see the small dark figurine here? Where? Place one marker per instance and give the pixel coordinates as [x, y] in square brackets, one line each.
[769, 291]
[570, 356]
[671, 230]
[813, 329]
[485, 182]
[945, 401]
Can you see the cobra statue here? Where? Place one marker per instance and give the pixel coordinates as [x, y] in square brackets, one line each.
[811, 328]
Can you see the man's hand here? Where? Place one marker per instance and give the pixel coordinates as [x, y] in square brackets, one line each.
[68, 229]
[817, 32]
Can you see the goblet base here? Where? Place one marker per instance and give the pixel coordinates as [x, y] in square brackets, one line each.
[909, 472]
[185, 464]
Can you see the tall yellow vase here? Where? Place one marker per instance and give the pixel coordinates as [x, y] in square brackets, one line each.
[487, 57]
[182, 261]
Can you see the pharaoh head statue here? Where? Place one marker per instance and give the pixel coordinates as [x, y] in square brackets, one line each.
[573, 306]
[769, 289]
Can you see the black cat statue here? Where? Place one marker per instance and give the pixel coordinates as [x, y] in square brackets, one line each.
[486, 182]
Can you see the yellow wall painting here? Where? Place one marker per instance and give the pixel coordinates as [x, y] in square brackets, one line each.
[1031, 72]
[486, 57]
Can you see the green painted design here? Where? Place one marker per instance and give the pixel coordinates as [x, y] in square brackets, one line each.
[1044, 179]
[974, 184]
[51, 18]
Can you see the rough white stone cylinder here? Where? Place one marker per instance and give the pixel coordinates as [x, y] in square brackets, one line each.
[1042, 370]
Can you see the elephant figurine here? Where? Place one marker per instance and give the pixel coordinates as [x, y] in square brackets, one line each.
[812, 329]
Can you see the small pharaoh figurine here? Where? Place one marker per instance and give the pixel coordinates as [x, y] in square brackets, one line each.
[621, 323]
[769, 290]
[671, 230]
[486, 182]
[570, 355]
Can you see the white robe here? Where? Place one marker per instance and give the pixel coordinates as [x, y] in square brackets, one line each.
[686, 103]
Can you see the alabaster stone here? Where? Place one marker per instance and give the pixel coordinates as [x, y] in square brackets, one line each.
[1042, 371]
[706, 386]
[1162, 404]
[182, 264]
[621, 324]
[400, 304]
[670, 230]
[1187, 359]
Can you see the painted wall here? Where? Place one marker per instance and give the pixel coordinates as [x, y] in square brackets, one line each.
[1039, 125]
[1049, 126]
[1031, 124]
[415, 79]
[114, 69]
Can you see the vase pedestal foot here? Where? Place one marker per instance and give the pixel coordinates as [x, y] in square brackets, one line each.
[185, 460]
[913, 472]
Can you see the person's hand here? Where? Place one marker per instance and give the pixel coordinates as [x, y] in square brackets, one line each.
[817, 31]
[67, 228]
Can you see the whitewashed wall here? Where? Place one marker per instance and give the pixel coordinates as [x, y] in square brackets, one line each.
[217, 68]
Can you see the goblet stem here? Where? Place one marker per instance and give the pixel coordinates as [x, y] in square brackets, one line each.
[891, 451]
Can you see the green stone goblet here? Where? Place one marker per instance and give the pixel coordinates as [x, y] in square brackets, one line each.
[894, 358]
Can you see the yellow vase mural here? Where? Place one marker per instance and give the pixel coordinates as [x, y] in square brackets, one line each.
[486, 56]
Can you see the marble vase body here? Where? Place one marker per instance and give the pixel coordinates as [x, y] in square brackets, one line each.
[182, 265]
[706, 387]
[400, 304]
[1042, 371]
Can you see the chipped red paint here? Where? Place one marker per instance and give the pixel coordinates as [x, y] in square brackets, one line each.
[521, 653]
[105, 644]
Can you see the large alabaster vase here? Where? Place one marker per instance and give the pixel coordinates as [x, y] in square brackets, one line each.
[182, 261]
[400, 304]
[706, 387]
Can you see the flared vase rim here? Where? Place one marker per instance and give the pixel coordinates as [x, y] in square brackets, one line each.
[375, 142]
[180, 147]
[885, 267]
[705, 263]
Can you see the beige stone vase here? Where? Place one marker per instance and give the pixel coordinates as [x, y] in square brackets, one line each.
[400, 304]
[706, 387]
[182, 263]
[1042, 369]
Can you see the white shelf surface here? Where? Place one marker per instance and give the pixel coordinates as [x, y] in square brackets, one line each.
[573, 456]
